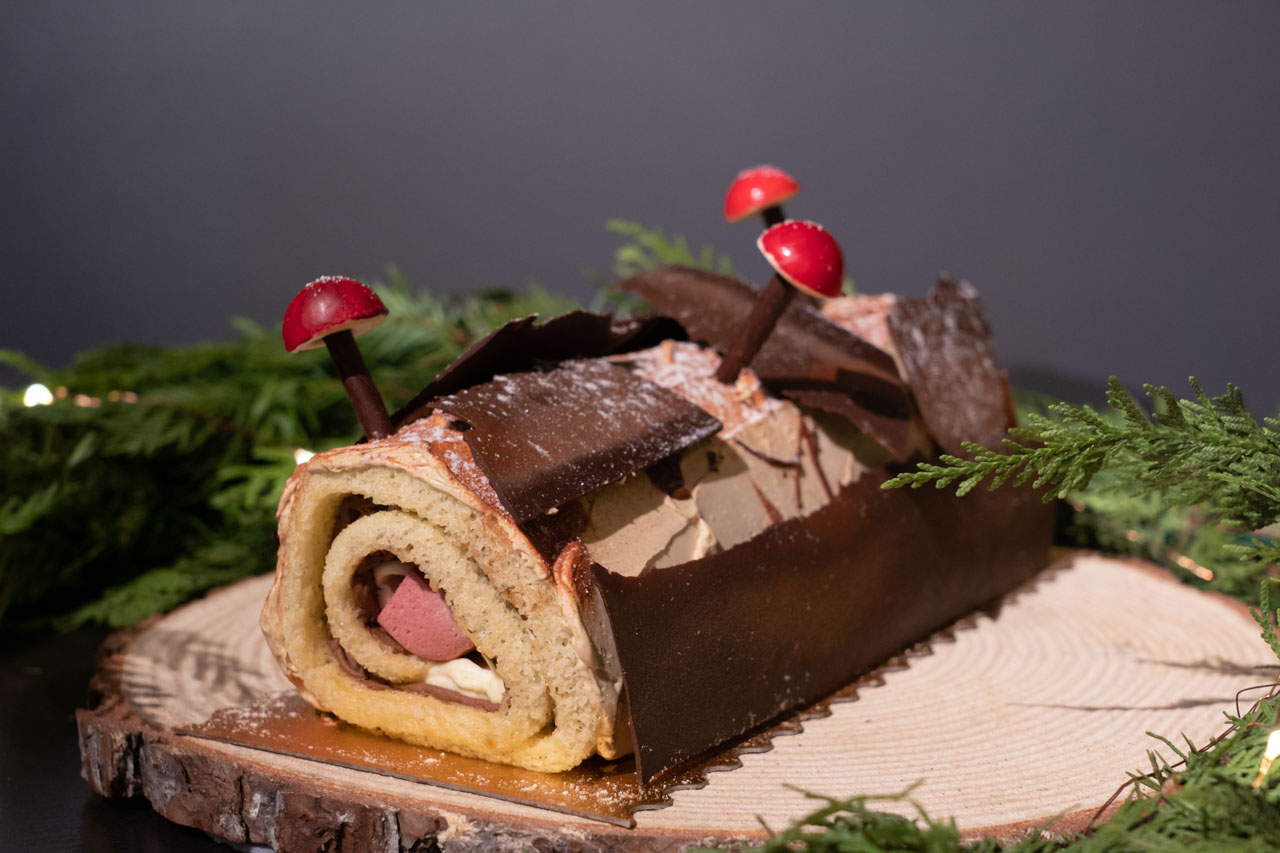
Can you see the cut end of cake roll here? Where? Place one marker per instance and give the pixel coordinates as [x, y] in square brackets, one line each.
[396, 499]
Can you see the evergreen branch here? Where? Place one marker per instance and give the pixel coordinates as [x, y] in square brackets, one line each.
[1265, 617]
[31, 368]
[649, 248]
[1207, 452]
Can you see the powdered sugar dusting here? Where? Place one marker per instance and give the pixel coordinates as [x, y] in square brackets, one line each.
[865, 316]
[689, 370]
[545, 437]
[602, 790]
[443, 441]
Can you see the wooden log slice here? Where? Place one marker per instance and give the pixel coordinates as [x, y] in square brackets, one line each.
[1029, 718]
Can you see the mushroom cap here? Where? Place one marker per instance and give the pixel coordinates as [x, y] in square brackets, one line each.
[755, 189]
[327, 305]
[804, 254]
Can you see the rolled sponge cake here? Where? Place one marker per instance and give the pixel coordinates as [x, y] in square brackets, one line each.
[552, 712]
[423, 501]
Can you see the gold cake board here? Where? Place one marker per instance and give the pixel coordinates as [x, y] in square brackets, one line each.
[1026, 719]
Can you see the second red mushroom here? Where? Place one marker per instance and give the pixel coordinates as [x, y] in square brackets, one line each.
[804, 256]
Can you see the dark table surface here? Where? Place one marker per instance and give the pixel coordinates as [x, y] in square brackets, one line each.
[45, 805]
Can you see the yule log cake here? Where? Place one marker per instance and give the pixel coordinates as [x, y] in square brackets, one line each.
[578, 540]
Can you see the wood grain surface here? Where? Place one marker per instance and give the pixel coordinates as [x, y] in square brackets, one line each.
[1023, 719]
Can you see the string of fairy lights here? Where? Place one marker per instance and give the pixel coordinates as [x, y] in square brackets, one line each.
[1269, 755]
[38, 394]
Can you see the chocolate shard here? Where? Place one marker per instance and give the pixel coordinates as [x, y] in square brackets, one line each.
[546, 437]
[944, 344]
[522, 345]
[796, 613]
[807, 358]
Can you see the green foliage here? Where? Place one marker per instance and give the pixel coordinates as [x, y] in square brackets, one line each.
[1265, 617]
[1206, 802]
[853, 824]
[1192, 452]
[1197, 476]
[116, 510]
[649, 248]
[1185, 485]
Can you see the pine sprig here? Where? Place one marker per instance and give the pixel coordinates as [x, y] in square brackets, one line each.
[1265, 616]
[649, 248]
[1204, 452]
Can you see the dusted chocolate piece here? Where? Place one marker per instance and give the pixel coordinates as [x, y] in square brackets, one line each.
[521, 345]
[543, 438]
[944, 344]
[807, 358]
[786, 618]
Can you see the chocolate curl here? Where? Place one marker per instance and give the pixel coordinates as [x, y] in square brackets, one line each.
[363, 394]
[764, 316]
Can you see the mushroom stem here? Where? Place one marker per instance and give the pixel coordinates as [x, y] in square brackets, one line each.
[770, 304]
[773, 216]
[364, 395]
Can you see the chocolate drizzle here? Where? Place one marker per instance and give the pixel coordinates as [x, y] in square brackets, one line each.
[714, 648]
[547, 437]
[807, 358]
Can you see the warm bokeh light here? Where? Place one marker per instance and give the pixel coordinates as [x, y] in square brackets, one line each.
[37, 395]
[1268, 756]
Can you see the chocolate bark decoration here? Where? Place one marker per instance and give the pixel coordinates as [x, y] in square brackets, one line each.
[807, 358]
[784, 619]
[944, 343]
[547, 437]
[551, 534]
[521, 345]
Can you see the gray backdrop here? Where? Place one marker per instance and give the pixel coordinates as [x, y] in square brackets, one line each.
[1105, 173]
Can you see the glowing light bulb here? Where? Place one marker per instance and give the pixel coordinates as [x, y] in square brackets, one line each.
[302, 455]
[37, 395]
[1268, 755]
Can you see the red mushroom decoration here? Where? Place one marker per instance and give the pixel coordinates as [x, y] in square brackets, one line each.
[760, 190]
[804, 256]
[332, 310]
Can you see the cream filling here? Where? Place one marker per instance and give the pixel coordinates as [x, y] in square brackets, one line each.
[785, 467]
[468, 678]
